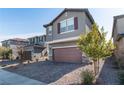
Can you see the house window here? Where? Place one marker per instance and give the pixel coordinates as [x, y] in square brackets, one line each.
[50, 30]
[63, 26]
[70, 24]
[67, 25]
[41, 38]
[33, 40]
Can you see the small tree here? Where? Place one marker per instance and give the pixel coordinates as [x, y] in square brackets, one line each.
[95, 45]
[5, 53]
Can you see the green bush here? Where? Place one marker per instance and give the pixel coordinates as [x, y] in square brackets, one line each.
[87, 77]
[121, 76]
[5, 53]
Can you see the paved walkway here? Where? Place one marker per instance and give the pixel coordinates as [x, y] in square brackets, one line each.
[9, 78]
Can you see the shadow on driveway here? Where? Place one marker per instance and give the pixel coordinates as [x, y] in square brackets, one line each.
[46, 72]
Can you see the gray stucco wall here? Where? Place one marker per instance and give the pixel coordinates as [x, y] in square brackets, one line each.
[82, 21]
[120, 25]
[88, 22]
[71, 43]
[119, 29]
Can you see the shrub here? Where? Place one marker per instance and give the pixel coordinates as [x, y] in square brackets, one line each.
[87, 77]
[5, 53]
[121, 76]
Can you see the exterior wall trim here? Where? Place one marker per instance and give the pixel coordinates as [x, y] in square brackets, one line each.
[64, 47]
[63, 40]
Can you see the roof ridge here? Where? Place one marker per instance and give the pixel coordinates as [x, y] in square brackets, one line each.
[72, 9]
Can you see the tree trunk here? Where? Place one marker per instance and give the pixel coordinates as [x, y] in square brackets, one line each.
[95, 71]
[98, 65]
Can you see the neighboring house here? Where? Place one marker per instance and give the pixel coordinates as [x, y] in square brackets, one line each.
[37, 40]
[118, 35]
[63, 32]
[34, 50]
[14, 44]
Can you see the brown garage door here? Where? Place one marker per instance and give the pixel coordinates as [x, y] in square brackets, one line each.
[67, 55]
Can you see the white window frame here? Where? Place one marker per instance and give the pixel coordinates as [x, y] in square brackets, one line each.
[68, 25]
[67, 31]
[65, 26]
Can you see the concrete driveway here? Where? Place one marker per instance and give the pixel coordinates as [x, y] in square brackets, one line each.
[9, 78]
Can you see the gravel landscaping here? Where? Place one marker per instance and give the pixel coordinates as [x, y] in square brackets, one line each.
[49, 72]
[109, 74]
[63, 73]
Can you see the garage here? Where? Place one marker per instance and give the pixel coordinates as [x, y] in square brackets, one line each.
[67, 55]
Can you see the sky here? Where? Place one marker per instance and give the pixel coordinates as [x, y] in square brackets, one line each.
[27, 22]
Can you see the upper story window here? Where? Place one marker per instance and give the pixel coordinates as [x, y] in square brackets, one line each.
[37, 39]
[70, 24]
[63, 26]
[41, 38]
[50, 30]
[67, 25]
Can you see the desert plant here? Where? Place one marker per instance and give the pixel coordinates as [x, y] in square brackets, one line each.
[87, 77]
[121, 76]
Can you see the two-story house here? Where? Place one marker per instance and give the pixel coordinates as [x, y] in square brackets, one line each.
[14, 44]
[118, 35]
[37, 40]
[37, 45]
[63, 32]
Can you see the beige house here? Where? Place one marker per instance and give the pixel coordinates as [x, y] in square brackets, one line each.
[118, 35]
[15, 44]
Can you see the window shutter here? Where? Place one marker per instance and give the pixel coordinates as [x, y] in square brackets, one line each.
[75, 23]
[58, 28]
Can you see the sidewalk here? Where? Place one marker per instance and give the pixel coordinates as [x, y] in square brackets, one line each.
[9, 78]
